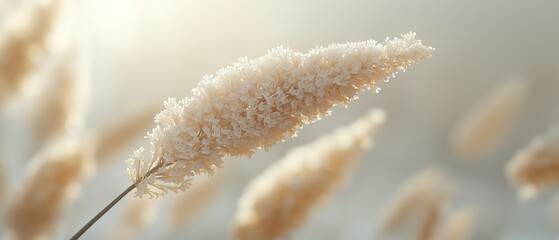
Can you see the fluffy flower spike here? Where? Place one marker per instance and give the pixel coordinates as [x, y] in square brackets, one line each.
[254, 104]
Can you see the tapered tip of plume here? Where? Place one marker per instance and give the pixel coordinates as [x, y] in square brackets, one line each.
[535, 166]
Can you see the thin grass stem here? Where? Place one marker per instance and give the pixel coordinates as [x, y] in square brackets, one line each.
[101, 213]
[111, 204]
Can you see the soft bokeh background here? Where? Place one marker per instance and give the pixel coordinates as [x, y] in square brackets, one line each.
[143, 51]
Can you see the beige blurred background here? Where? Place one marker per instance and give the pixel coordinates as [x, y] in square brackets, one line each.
[143, 51]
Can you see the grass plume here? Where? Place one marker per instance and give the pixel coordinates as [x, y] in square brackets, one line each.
[2, 182]
[489, 119]
[536, 165]
[189, 204]
[427, 191]
[23, 39]
[279, 200]
[253, 104]
[52, 178]
[459, 225]
[138, 214]
[554, 209]
[433, 213]
[59, 108]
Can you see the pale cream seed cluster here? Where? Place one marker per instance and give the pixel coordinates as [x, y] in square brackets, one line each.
[254, 104]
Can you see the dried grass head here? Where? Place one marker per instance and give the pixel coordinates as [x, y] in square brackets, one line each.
[486, 123]
[554, 209]
[459, 225]
[52, 178]
[279, 200]
[23, 39]
[191, 203]
[535, 166]
[3, 180]
[254, 104]
[427, 191]
[59, 108]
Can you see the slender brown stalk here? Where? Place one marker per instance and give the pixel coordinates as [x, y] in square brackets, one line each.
[101, 213]
[115, 201]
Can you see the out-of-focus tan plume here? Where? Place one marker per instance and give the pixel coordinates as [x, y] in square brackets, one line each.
[459, 225]
[427, 191]
[433, 213]
[59, 108]
[488, 120]
[190, 203]
[554, 209]
[138, 214]
[116, 137]
[52, 178]
[279, 200]
[23, 40]
[535, 166]
[2, 182]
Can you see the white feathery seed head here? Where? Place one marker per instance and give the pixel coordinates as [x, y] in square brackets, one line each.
[279, 199]
[253, 104]
[535, 166]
